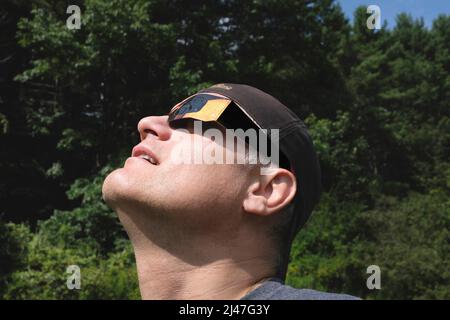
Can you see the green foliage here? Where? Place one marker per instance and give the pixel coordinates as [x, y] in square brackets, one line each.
[92, 223]
[13, 249]
[413, 245]
[407, 239]
[342, 159]
[329, 254]
[88, 236]
[45, 277]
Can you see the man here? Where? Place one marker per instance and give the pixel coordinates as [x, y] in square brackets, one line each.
[217, 229]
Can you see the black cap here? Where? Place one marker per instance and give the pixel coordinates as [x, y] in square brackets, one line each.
[294, 142]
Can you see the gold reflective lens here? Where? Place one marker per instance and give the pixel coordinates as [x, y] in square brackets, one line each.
[204, 107]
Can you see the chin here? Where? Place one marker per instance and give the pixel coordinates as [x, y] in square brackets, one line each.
[115, 187]
[122, 190]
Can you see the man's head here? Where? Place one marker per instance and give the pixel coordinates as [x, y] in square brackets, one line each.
[166, 202]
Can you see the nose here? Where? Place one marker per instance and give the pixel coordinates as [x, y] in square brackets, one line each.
[156, 126]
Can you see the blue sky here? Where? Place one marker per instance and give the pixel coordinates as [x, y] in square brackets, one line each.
[428, 9]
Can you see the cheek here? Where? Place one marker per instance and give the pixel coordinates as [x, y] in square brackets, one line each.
[206, 184]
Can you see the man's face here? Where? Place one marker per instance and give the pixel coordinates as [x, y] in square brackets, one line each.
[196, 195]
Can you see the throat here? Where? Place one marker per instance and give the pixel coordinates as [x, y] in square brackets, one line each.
[220, 280]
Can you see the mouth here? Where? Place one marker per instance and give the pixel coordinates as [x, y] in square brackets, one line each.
[144, 153]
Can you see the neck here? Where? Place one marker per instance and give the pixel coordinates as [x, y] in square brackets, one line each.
[171, 279]
[185, 267]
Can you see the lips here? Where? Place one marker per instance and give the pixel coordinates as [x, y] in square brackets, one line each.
[145, 153]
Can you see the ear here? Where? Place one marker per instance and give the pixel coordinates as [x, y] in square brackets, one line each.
[270, 193]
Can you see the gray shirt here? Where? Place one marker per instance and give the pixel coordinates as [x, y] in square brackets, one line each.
[274, 289]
